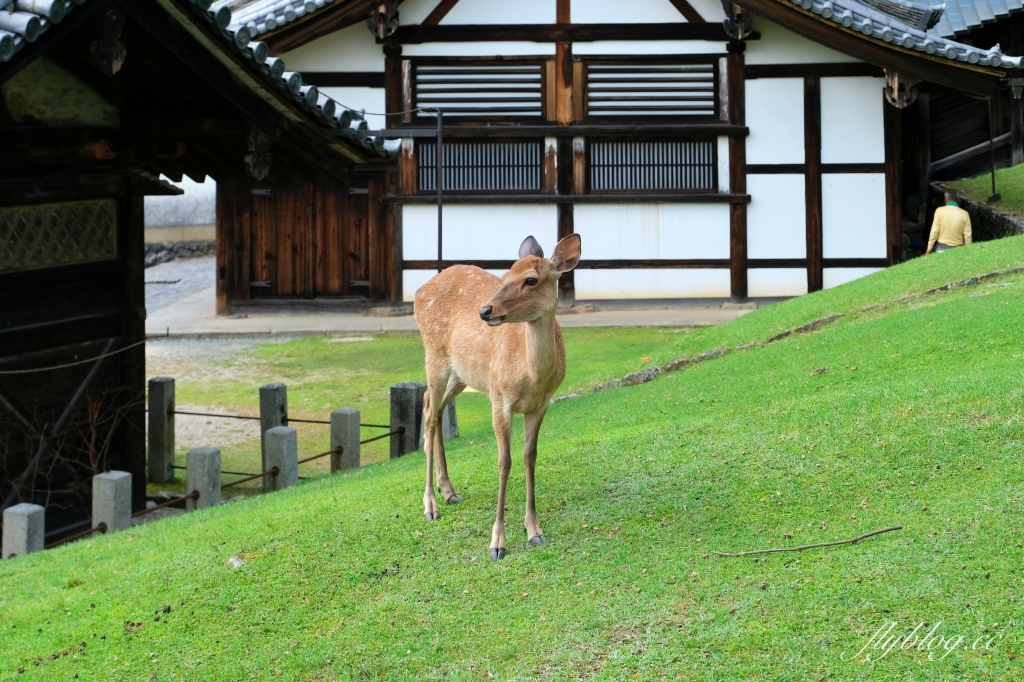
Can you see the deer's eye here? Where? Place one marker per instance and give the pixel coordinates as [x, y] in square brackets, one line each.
[531, 281]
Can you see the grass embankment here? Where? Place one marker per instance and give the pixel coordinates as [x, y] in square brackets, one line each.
[326, 372]
[917, 422]
[1009, 184]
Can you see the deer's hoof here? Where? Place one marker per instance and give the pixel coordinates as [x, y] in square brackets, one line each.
[454, 499]
[432, 515]
[538, 539]
[497, 553]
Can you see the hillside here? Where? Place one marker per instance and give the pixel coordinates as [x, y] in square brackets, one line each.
[905, 411]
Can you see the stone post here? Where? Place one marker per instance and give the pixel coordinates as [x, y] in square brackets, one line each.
[407, 413]
[273, 412]
[202, 473]
[161, 429]
[24, 529]
[112, 500]
[283, 453]
[345, 433]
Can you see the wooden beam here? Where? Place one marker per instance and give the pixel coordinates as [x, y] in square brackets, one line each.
[812, 182]
[827, 70]
[328, 19]
[439, 12]
[563, 12]
[454, 129]
[692, 15]
[563, 83]
[617, 198]
[558, 33]
[970, 152]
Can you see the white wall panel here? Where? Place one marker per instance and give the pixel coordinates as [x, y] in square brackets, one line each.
[365, 99]
[633, 284]
[852, 125]
[490, 12]
[499, 48]
[776, 217]
[647, 47]
[412, 280]
[776, 282]
[723, 165]
[477, 232]
[775, 116]
[614, 231]
[617, 12]
[781, 46]
[833, 277]
[350, 49]
[414, 11]
[853, 215]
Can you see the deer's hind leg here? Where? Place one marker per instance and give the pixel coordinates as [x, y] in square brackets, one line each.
[452, 389]
[437, 379]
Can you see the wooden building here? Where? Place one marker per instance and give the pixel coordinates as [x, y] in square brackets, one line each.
[100, 97]
[751, 149]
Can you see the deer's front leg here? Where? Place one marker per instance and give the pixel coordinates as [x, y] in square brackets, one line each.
[532, 424]
[502, 421]
[430, 510]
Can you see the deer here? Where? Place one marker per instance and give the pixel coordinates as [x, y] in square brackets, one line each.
[499, 336]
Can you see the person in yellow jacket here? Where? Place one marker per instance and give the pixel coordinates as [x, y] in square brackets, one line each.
[951, 227]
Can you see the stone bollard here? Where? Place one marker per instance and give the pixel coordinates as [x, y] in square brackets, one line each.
[407, 413]
[112, 500]
[24, 529]
[202, 473]
[283, 453]
[345, 433]
[449, 425]
[273, 412]
[161, 429]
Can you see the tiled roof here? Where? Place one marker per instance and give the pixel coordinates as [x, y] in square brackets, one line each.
[963, 15]
[857, 15]
[267, 15]
[23, 21]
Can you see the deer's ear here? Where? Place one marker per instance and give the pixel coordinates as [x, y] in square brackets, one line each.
[567, 253]
[530, 247]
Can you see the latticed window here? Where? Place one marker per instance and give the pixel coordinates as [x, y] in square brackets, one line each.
[48, 235]
[620, 89]
[653, 166]
[463, 90]
[470, 166]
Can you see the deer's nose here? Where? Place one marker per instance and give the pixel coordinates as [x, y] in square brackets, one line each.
[485, 313]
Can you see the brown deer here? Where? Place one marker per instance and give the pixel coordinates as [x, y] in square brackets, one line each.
[499, 336]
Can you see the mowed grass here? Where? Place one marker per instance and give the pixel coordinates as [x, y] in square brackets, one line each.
[916, 421]
[1009, 184]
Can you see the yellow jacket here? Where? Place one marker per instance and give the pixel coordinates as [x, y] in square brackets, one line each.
[952, 227]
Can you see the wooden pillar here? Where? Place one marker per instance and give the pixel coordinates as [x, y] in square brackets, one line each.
[566, 185]
[133, 330]
[393, 82]
[812, 181]
[924, 152]
[737, 173]
[1016, 105]
[893, 192]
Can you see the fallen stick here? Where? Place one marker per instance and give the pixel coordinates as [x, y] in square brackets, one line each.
[820, 544]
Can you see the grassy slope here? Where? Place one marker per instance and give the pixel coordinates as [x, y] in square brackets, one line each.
[1009, 183]
[344, 580]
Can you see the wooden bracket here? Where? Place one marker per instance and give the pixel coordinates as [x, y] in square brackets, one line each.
[739, 23]
[383, 21]
[899, 89]
[257, 161]
[108, 52]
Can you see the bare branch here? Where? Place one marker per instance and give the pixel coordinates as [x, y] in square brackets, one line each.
[851, 541]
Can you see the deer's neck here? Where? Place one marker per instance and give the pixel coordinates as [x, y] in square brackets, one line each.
[540, 345]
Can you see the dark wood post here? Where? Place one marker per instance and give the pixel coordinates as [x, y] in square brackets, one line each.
[737, 173]
[812, 181]
[1016, 105]
[133, 362]
[924, 152]
[893, 191]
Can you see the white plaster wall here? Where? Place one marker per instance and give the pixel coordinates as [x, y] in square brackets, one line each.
[853, 215]
[781, 46]
[852, 125]
[638, 284]
[412, 280]
[833, 277]
[723, 165]
[503, 49]
[776, 281]
[350, 49]
[415, 11]
[775, 116]
[365, 99]
[776, 218]
[491, 12]
[477, 232]
[648, 47]
[617, 12]
[678, 231]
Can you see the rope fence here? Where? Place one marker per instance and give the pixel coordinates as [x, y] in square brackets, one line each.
[192, 495]
[284, 421]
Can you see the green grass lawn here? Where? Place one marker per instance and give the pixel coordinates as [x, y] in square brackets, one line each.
[917, 421]
[1009, 184]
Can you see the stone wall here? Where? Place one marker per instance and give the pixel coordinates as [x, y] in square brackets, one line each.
[162, 253]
